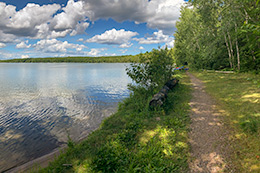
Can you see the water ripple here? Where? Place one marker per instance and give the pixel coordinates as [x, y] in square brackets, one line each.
[40, 104]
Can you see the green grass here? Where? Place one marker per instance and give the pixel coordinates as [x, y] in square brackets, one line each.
[239, 96]
[107, 59]
[135, 139]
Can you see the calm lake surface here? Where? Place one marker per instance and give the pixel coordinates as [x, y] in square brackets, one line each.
[41, 104]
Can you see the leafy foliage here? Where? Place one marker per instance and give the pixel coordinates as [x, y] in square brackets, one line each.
[153, 70]
[219, 34]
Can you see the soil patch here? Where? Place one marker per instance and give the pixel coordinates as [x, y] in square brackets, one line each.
[208, 137]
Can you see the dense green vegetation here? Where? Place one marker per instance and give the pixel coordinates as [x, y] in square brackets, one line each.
[105, 59]
[136, 138]
[153, 70]
[238, 95]
[219, 34]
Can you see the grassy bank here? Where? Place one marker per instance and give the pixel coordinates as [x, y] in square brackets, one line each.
[105, 59]
[135, 139]
[239, 96]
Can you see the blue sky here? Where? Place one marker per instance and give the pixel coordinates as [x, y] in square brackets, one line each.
[56, 28]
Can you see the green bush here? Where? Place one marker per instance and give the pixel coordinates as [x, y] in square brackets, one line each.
[153, 70]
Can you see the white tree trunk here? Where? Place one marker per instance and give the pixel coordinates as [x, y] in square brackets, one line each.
[238, 55]
[229, 53]
[231, 49]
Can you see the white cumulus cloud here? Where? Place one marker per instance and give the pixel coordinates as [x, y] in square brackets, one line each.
[24, 23]
[159, 14]
[23, 45]
[25, 56]
[141, 48]
[72, 18]
[54, 45]
[48, 22]
[170, 44]
[2, 45]
[80, 39]
[80, 28]
[126, 45]
[41, 22]
[113, 36]
[8, 38]
[156, 38]
[53, 20]
[95, 51]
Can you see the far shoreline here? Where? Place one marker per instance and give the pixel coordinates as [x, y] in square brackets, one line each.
[102, 59]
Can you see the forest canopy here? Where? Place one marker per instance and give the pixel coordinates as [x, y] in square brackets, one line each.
[219, 34]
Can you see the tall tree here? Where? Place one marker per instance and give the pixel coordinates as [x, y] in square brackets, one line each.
[217, 34]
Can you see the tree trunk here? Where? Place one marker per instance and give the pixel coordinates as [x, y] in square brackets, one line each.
[229, 53]
[238, 55]
[231, 49]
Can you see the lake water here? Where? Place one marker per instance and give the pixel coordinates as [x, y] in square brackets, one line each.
[41, 104]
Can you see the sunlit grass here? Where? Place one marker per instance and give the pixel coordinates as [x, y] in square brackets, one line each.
[136, 139]
[239, 96]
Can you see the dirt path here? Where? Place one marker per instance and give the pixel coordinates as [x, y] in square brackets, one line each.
[208, 137]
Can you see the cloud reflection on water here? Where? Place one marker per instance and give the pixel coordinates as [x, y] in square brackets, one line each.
[41, 103]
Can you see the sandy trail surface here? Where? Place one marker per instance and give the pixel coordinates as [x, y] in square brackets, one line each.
[207, 136]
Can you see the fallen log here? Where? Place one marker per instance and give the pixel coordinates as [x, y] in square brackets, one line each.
[159, 98]
[225, 72]
[172, 83]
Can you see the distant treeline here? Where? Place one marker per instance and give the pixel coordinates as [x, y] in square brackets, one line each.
[104, 59]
